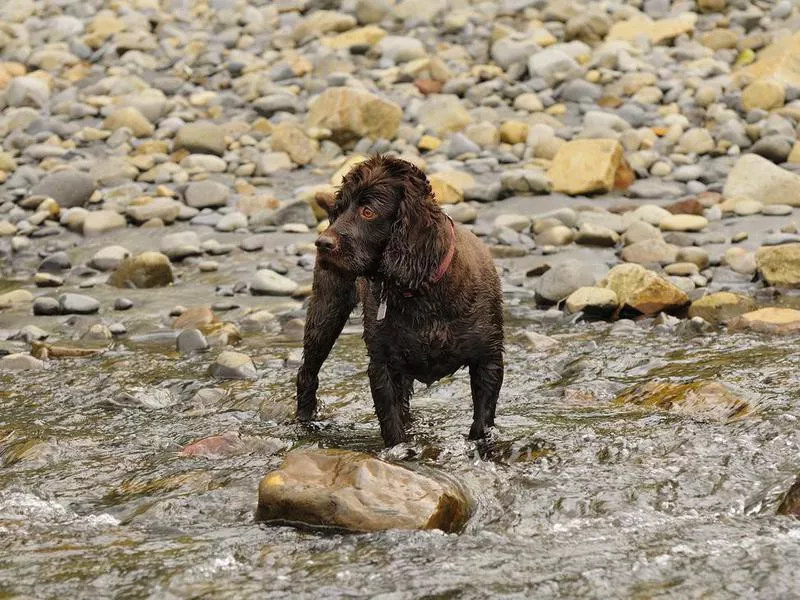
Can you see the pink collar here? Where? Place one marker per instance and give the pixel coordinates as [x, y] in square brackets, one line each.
[445, 264]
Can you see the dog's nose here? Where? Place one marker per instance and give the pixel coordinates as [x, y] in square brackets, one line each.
[325, 243]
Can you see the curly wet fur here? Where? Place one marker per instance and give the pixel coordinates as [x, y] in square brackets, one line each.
[442, 327]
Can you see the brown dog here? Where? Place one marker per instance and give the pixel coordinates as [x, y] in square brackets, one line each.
[430, 293]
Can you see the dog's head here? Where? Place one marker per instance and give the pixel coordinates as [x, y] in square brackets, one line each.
[383, 221]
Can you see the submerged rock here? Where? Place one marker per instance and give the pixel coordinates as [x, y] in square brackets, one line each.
[353, 491]
[769, 320]
[705, 400]
[233, 365]
[721, 307]
[146, 270]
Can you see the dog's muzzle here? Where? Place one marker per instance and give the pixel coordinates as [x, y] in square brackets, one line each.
[327, 243]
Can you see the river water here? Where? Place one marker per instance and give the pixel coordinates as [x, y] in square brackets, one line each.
[581, 497]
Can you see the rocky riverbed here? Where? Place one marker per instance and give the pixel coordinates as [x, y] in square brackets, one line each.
[634, 168]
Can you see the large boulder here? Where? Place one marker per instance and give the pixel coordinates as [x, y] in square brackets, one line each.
[756, 178]
[777, 61]
[352, 114]
[644, 291]
[356, 492]
[586, 166]
[780, 265]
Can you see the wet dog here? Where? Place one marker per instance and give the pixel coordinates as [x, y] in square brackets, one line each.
[431, 296]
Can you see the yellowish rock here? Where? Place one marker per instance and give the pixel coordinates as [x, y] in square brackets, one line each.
[428, 142]
[644, 291]
[444, 113]
[769, 320]
[131, 118]
[352, 161]
[289, 138]
[351, 114]
[705, 400]
[15, 298]
[586, 166]
[357, 492]
[778, 61]
[765, 94]
[721, 307]
[363, 36]
[514, 132]
[780, 265]
[658, 31]
[794, 155]
[446, 192]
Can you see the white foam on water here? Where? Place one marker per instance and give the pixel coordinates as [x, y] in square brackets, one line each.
[22, 505]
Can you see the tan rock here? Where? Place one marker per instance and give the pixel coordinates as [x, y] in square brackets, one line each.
[428, 142]
[780, 265]
[658, 31]
[146, 270]
[768, 320]
[351, 114]
[15, 298]
[352, 161]
[593, 301]
[765, 94]
[289, 138]
[777, 61]
[363, 36]
[794, 155]
[514, 132]
[337, 488]
[196, 317]
[585, 166]
[320, 22]
[682, 222]
[443, 114]
[643, 290]
[721, 307]
[131, 118]
[719, 39]
[759, 179]
[446, 192]
[704, 400]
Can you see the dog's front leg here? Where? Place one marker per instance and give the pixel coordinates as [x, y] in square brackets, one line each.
[486, 379]
[388, 403]
[332, 300]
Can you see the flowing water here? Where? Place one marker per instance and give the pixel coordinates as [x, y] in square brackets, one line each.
[581, 497]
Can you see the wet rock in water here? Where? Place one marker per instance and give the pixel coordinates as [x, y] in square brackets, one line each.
[78, 304]
[644, 291]
[592, 301]
[151, 398]
[703, 400]
[67, 188]
[109, 258]
[768, 320]
[586, 166]
[740, 260]
[196, 317]
[721, 307]
[123, 304]
[55, 263]
[790, 505]
[351, 114]
[356, 492]
[538, 342]
[146, 270]
[563, 279]
[759, 179]
[15, 298]
[269, 283]
[780, 265]
[233, 365]
[20, 362]
[45, 306]
[590, 234]
[231, 443]
[191, 340]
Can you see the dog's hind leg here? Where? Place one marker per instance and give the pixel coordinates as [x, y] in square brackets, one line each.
[333, 298]
[386, 395]
[486, 379]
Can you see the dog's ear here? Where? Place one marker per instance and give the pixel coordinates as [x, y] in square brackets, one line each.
[325, 200]
[413, 250]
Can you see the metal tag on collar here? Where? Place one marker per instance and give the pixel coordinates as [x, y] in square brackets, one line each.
[382, 305]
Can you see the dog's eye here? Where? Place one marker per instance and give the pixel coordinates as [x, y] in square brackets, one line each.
[368, 213]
